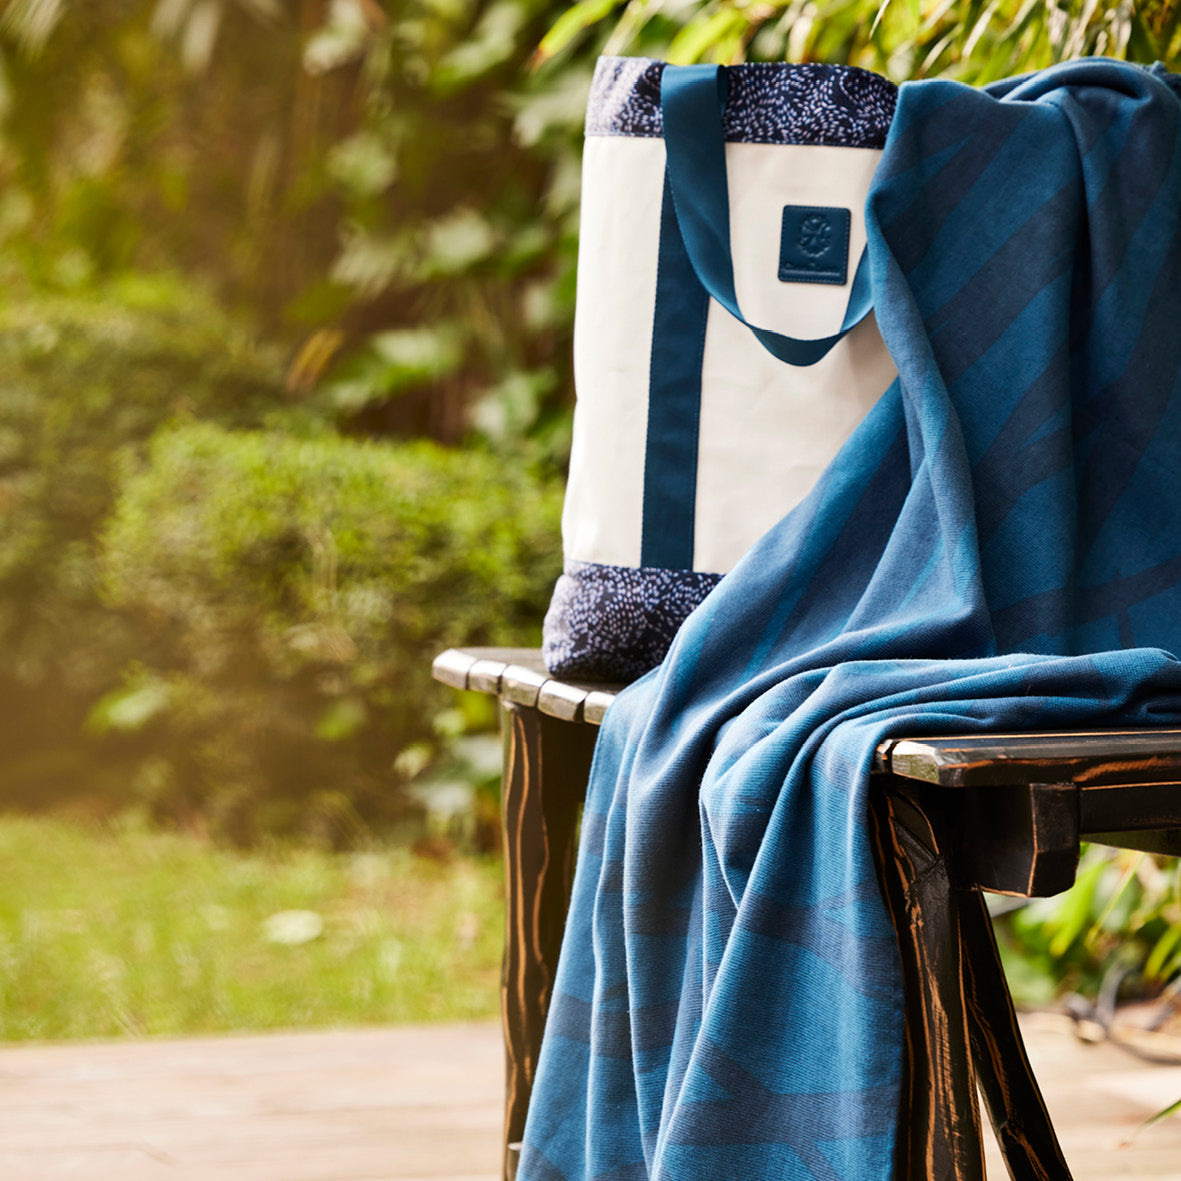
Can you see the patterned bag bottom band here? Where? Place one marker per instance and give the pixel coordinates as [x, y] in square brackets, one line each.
[768, 102]
[614, 623]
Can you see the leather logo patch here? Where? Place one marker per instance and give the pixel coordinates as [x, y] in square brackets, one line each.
[814, 247]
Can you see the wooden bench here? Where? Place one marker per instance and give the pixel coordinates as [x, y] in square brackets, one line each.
[951, 817]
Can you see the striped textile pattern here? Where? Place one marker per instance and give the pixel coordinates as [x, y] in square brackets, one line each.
[998, 546]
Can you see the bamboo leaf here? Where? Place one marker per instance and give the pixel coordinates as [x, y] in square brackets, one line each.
[998, 65]
[966, 18]
[1174, 965]
[981, 26]
[1142, 45]
[731, 48]
[1029, 11]
[936, 52]
[169, 17]
[1076, 38]
[1076, 908]
[200, 35]
[703, 33]
[1121, 29]
[264, 10]
[567, 27]
[631, 24]
[934, 19]
[32, 22]
[915, 12]
[877, 20]
[1161, 952]
[1168, 26]
[1125, 880]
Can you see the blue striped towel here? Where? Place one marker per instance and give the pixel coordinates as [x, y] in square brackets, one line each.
[997, 547]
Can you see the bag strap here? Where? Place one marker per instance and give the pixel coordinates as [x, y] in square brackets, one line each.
[692, 99]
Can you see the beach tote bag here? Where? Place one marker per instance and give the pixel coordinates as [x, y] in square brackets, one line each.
[722, 350]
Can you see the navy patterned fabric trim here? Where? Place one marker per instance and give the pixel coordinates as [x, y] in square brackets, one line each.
[768, 103]
[614, 623]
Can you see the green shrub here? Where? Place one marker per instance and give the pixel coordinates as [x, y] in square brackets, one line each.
[292, 593]
[83, 382]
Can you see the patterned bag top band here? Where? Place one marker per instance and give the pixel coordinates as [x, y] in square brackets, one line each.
[768, 103]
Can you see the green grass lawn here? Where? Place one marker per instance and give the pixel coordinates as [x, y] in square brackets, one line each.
[122, 931]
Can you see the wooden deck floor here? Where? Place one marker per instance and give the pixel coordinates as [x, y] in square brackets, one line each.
[421, 1103]
[1099, 1096]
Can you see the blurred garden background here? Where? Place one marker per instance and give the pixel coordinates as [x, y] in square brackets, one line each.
[286, 300]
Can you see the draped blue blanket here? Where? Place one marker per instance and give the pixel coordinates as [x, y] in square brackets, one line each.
[997, 547]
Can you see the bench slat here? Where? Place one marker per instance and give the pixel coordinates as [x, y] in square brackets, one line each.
[452, 667]
[1089, 758]
[521, 685]
[518, 675]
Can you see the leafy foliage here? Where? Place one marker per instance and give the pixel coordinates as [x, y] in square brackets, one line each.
[377, 176]
[368, 182]
[137, 135]
[394, 182]
[347, 169]
[258, 654]
[291, 593]
[975, 41]
[82, 383]
[459, 189]
[1123, 914]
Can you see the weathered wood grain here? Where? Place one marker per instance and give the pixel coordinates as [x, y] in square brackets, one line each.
[961, 1029]
[939, 1121]
[1086, 758]
[547, 762]
[1014, 1100]
[1009, 839]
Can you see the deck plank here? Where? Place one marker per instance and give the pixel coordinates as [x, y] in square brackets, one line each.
[421, 1104]
[359, 1105]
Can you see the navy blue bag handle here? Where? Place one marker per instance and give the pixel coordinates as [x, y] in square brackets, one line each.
[692, 100]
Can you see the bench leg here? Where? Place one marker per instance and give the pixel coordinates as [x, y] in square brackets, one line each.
[939, 1121]
[546, 766]
[958, 1008]
[1015, 1104]
[961, 1028]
